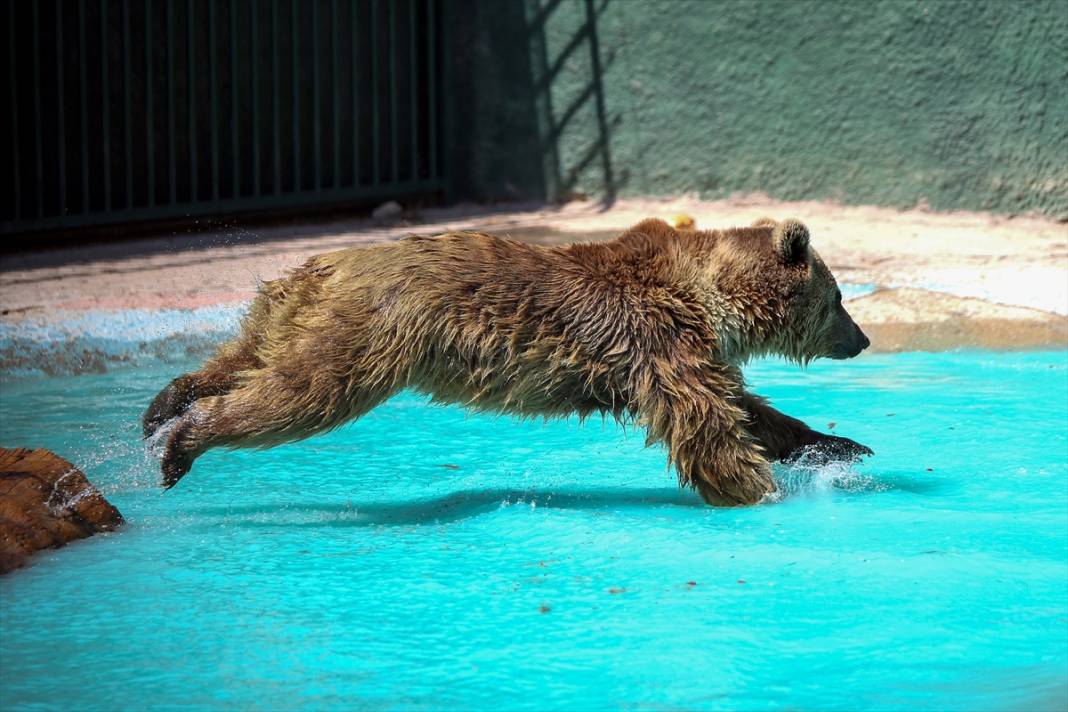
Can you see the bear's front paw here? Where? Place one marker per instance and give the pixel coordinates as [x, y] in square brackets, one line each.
[738, 485]
[830, 448]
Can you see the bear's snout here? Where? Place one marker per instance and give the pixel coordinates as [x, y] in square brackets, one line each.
[865, 342]
[850, 346]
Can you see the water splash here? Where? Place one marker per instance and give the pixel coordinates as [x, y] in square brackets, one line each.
[806, 477]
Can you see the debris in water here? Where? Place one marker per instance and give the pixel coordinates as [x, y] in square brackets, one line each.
[830, 426]
[614, 591]
[691, 584]
[450, 466]
[543, 608]
[930, 469]
[741, 580]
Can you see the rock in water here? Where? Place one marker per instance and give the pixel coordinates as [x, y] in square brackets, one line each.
[46, 502]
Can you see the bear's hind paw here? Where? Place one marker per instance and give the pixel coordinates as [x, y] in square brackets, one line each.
[177, 458]
[169, 403]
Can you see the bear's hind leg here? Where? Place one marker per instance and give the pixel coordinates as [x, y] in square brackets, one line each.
[218, 376]
[266, 410]
[169, 403]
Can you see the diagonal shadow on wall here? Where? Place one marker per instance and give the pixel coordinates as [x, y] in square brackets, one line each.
[531, 117]
[562, 176]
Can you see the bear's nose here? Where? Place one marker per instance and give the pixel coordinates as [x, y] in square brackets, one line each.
[864, 341]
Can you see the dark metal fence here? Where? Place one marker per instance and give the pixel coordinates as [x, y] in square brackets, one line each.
[123, 110]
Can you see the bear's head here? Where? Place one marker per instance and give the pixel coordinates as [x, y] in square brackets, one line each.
[780, 296]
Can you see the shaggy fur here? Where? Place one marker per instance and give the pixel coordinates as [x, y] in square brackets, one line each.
[652, 325]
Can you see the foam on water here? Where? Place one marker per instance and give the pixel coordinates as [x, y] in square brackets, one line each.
[426, 558]
[92, 341]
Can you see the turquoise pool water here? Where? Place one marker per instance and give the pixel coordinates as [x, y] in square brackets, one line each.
[427, 559]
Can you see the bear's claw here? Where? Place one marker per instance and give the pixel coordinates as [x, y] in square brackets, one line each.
[830, 448]
[173, 470]
[174, 466]
[177, 459]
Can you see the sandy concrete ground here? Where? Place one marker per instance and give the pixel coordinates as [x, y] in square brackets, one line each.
[943, 280]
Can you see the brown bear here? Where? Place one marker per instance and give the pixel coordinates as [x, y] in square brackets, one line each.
[651, 326]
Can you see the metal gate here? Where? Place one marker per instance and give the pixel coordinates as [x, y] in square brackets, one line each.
[129, 110]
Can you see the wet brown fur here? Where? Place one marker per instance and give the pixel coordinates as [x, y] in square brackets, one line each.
[653, 325]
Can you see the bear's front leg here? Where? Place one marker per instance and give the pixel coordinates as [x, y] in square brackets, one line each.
[694, 409]
[788, 439]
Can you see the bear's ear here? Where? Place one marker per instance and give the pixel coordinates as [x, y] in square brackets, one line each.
[791, 237]
[764, 222]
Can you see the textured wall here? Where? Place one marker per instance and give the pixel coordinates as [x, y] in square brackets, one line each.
[957, 105]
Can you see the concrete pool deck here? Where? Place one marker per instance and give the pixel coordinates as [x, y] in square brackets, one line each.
[934, 281]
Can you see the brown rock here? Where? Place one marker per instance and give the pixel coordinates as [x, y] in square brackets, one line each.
[46, 502]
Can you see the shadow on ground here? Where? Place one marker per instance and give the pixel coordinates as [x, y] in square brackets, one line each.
[465, 504]
[457, 506]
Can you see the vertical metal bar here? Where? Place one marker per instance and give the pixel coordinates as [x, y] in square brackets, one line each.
[374, 91]
[255, 100]
[37, 109]
[60, 119]
[213, 88]
[172, 166]
[150, 127]
[392, 49]
[106, 96]
[127, 77]
[14, 111]
[235, 146]
[353, 47]
[316, 119]
[448, 121]
[432, 97]
[295, 28]
[84, 105]
[191, 64]
[413, 105]
[336, 91]
[275, 91]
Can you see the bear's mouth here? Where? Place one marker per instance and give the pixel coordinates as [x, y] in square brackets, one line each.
[852, 348]
[840, 354]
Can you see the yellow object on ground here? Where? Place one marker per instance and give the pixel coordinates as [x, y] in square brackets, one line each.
[682, 221]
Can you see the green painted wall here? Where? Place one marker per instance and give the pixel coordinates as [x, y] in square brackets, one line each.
[956, 105]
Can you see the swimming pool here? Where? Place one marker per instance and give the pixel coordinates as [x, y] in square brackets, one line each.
[424, 558]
